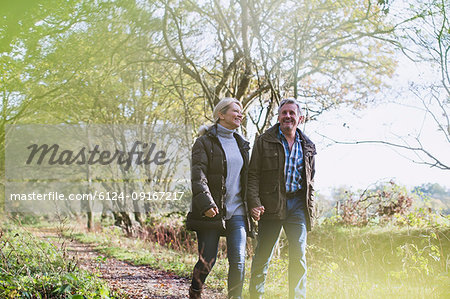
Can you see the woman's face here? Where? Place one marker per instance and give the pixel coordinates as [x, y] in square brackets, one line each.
[232, 118]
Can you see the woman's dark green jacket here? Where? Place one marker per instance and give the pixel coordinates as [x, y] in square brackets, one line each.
[209, 173]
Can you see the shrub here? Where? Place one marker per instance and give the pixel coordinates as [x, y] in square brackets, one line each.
[378, 205]
[33, 268]
[169, 230]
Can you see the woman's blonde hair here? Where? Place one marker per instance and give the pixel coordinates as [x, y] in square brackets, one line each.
[221, 107]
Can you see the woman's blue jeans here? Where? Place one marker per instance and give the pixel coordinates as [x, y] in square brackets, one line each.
[208, 243]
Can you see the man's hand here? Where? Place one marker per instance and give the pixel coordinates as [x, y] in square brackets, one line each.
[212, 212]
[257, 212]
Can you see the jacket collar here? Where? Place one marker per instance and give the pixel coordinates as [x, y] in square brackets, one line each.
[212, 131]
[242, 143]
[271, 135]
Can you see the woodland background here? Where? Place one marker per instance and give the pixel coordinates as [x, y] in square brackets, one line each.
[149, 62]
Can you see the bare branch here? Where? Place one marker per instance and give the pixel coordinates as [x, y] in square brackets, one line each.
[435, 162]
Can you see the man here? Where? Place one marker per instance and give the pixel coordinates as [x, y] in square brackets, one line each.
[280, 194]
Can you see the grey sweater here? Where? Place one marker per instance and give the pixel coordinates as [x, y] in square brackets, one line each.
[233, 201]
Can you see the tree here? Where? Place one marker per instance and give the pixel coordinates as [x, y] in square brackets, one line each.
[437, 196]
[433, 190]
[326, 53]
[105, 69]
[428, 42]
[424, 38]
[24, 27]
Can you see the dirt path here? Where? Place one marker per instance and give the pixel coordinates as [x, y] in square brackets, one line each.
[136, 281]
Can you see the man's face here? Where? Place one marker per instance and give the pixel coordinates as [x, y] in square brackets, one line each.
[289, 118]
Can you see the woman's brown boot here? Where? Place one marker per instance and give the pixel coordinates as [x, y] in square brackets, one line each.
[195, 294]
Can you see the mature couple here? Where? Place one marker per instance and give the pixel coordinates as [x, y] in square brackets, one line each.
[274, 188]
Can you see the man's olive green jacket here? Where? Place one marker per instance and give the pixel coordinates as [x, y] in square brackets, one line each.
[266, 181]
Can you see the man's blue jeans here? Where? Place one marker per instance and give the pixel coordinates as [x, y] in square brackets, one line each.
[208, 242]
[268, 232]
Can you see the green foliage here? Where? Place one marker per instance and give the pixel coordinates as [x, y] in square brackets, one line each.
[434, 196]
[385, 204]
[422, 217]
[386, 261]
[136, 62]
[32, 268]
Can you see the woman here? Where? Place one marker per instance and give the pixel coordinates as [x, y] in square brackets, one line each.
[219, 177]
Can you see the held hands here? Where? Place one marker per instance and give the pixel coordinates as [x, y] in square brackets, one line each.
[212, 212]
[257, 212]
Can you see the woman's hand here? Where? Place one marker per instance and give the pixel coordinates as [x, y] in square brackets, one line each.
[212, 212]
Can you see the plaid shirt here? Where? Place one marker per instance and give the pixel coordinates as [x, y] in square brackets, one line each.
[293, 165]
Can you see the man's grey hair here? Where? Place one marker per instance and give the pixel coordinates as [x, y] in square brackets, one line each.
[290, 101]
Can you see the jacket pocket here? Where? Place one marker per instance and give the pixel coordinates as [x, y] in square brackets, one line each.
[270, 200]
[270, 161]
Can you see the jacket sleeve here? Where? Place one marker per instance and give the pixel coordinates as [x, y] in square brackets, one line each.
[313, 172]
[254, 176]
[311, 199]
[201, 196]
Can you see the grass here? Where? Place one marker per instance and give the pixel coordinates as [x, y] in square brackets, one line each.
[377, 262]
[343, 262]
[34, 268]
